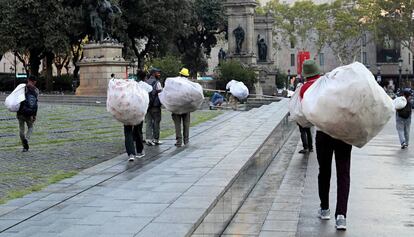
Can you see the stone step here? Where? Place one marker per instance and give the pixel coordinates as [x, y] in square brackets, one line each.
[168, 196]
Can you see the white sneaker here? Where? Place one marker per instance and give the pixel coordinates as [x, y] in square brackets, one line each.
[340, 222]
[150, 143]
[157, 142]
[131, 158]
[140, 155]
[324, 214]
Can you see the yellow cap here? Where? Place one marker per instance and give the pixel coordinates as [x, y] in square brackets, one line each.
[185, 72]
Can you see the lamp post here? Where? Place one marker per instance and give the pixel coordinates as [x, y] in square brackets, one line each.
[399, 71]
[406, 78]
[379, 73]
[288, 79]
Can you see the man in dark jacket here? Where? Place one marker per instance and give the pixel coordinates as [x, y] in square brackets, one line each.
[27, 112]
[403, 121]
[153, 116]
[326, 146]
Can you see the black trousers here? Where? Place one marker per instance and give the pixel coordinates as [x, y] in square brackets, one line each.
[325, 147]
[133, 133]
[306, 137]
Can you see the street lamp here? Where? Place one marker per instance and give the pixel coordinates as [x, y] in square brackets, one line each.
[288, 79]
[379, 73]
[399, 70]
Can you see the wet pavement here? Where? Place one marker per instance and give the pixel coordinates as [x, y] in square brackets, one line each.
[381, 199]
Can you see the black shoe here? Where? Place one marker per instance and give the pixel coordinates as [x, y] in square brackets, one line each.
[25, 144]
[25, 150]
[304, 151]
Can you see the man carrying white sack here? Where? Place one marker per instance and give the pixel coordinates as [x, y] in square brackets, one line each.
[182, 118]
[325, 147]
[153, 117]
[403, 120]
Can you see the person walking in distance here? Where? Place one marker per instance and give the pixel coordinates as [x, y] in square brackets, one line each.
[153, 116]
[134, 133]
[28, 111]
[306, 137]
[326, 146]
[182, 118]
[403, 121]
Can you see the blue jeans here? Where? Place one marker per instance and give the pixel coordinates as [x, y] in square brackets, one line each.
[403, 129]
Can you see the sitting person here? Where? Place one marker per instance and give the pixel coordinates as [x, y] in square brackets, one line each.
[216, 100]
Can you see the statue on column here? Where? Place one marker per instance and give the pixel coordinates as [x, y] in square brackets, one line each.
[239, 35]
[221, 56]
[262, 48]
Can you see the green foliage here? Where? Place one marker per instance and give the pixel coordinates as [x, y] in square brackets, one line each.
[281, 79]
[169, 65]
[234, 70]
[205, 20]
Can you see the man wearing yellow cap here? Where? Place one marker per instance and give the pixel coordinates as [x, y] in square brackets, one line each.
[182, 118]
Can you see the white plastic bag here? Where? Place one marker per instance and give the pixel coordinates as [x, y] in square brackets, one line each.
[295, 109]
[13, 101]
[400, 102]
[127, 101]
[348, 104]
[181, 96]
[238, 89]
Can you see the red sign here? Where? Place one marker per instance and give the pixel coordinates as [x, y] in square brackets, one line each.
[302, 56]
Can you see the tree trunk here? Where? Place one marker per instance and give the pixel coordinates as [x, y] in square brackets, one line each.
[49, 71]
[59, 70]
[34, 61]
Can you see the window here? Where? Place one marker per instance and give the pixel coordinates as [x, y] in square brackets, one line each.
[364, 40]
[409, 56]
[292, 60]
[292, 44]
[321, 59]
[364, 58]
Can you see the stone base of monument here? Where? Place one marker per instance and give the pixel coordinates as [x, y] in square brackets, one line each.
[99, 62]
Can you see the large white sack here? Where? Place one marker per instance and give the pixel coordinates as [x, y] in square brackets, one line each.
[127, 101]
[348, 104]
[400, 102]
[295, 109]
[239, 90]
[13, 101]
[181, 96]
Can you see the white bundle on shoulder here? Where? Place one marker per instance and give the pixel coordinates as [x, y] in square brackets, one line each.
[238, 89]
[13, 101]
[295, 109]
[181, 96]
[400, 102]
[127, 101]
[348, 104]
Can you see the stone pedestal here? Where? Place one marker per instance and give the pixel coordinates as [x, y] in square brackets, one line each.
[96, 67]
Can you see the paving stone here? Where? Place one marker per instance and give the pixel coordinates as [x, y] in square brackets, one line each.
[179, 215]
[165, 230]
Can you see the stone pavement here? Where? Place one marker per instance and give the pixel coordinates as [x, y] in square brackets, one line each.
[381, 199]
[166, 194]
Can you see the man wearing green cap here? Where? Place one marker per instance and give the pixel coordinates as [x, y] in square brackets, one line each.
[325, 147]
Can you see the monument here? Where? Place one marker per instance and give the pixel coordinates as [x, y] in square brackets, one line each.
[251, 42]
[103, 55]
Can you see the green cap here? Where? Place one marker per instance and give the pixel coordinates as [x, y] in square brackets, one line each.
[310, 69]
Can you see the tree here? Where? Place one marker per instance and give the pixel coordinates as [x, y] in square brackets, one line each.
[170, 66]
[38, 27]
[151, 26]
[234, 70]
[200, 33]
[394, 19]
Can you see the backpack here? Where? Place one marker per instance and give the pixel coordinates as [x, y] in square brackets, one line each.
[154, 100]
[405, 112]
[28, 107]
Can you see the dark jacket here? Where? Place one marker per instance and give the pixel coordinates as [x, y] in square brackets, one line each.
[31, 91]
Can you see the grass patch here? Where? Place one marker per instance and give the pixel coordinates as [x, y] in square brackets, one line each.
[19, 193]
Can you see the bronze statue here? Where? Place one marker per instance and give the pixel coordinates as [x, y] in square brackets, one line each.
[262, 48]
[101, 14]
[221, 56]
[239, 35]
